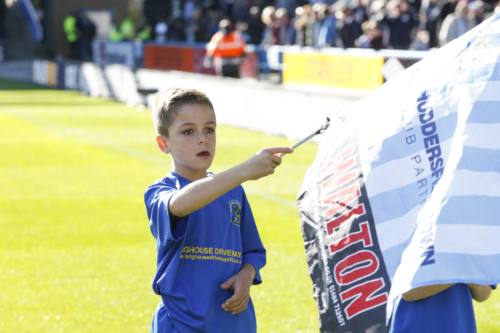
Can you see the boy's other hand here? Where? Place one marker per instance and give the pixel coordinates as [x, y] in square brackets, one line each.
[264, 162]
[241, 284]
[419, 293]
[480, 293]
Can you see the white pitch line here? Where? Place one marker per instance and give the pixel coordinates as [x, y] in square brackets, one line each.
[69, 131]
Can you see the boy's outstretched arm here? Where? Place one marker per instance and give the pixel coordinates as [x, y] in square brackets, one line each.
[202, 192]
[241, 284]
[480, 293]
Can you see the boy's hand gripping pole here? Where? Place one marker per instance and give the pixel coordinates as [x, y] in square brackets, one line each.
[320, 130]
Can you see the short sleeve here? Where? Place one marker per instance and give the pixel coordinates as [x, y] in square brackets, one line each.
[253, 250]
[165, 228]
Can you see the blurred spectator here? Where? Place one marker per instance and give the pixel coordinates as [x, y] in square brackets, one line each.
[320, 12]
[456, 24]
[255, 26]
[71, 35]
[372, 36]
[377, 10]
[86, 32]
[144, 30]
[310, 17]
[400, 20]
[289, 5]
[415, 5]
[227, 7]
[135, 15]
[496, 10]
[448, 8]
[268, 19]
[242, 9]
[476, 11]
[376, 35]
[214, 17]
[280, 26]
[242, 28]
[161, 30]
[115, 34]
[328, 34]
[195, 29]
[347, 27]
[176, 31]
[189, 7]
[359, 16]
[127, 28]
[420, 41]
[432, 15]
[225, 50]
[363, 41]
[295, 34]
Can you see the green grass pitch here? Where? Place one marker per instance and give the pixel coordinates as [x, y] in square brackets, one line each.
[76, 252]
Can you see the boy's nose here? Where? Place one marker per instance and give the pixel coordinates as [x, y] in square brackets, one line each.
[202, 139]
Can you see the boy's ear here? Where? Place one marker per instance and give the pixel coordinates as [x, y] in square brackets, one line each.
[162, 143]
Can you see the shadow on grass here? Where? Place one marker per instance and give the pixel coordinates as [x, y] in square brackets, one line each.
[6, 84]
[44, 99]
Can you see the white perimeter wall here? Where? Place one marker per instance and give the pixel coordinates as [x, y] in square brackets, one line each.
[293, 112]
[285, 110]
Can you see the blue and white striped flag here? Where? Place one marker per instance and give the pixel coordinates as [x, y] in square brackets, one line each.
[406, 192]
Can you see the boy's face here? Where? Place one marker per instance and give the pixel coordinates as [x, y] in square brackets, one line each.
[191, 141]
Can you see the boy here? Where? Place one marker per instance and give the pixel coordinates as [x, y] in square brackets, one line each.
[438, 308]
[209, 250]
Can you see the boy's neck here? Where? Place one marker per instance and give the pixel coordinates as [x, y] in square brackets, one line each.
[192, 175]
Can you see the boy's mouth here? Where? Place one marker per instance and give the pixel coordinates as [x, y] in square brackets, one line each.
[203, 154]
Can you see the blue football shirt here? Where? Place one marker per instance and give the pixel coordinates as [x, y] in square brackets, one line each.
[450, 310]
[196, 255]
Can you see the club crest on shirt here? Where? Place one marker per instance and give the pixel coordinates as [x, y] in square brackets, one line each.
[235, 212]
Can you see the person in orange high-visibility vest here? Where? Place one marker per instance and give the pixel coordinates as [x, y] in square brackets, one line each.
[226, 50]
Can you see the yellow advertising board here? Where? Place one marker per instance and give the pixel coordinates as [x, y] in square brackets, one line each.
[333, 70]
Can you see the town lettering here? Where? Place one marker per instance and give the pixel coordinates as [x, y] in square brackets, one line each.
[341, 196]
[431, 138]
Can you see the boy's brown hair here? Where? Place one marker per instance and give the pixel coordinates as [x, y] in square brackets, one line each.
[169, 102]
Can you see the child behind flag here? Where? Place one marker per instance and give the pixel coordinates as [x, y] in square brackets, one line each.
[438, 308]
[209, 249]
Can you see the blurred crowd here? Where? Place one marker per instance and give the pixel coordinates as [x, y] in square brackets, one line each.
[376, 24]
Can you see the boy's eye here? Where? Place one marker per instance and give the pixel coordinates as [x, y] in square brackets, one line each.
[210, 130]
[187, 132]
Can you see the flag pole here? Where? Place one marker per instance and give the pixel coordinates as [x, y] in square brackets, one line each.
[320, 130]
